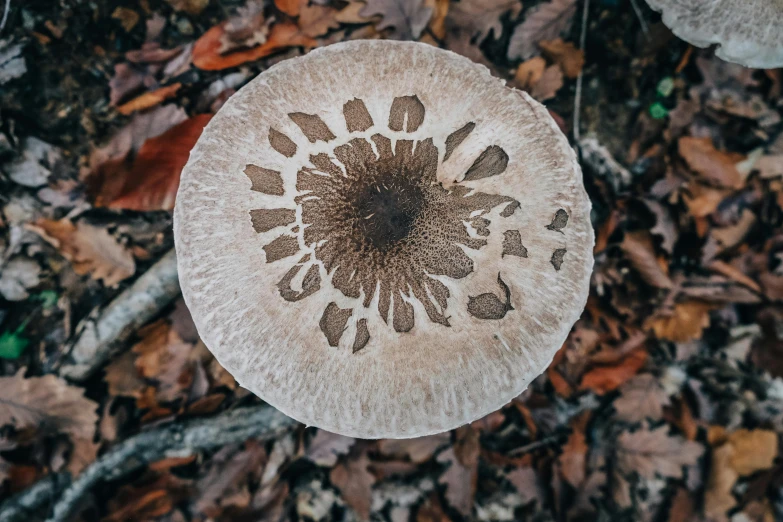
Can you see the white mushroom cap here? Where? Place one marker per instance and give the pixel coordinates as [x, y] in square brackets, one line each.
[749, 32]
[382, 240]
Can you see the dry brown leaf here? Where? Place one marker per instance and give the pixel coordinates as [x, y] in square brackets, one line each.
[228, 474]
[91, 250]
[703, 200]
[355, 484]
[350, 14]
[462, 474]
[607, 378]
[161, 355]
[565, 54]
[529, 73]
[715, 167]
[731, 236]
[547, 22]
[718, 497]
[572, 459]
[420, 449]
[547, 86]
[192, 7]
[770, 166]
[654, 452]
[641, 398]
[754, 450]
[316, 20]
[528, 484]
[207, 51]
[685, 323]
[479, 18]
[123, 378]
[149, 99]
[291, 7]
[128, 18]
[326, 448]
[50, 405]
[150, 500]
[638, 248]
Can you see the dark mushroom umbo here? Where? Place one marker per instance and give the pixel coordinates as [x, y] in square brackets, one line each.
[367, 236]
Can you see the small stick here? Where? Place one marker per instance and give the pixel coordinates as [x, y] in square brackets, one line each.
[638, 11]
[5, 14]
[578, 97]
[23, 506]
[174, 440]
[99, 335]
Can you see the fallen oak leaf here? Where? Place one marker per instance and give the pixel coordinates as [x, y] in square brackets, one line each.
[351, 13]
[90, 249]
[754, 450]
[479, 18]
[290, 7]
[418, 450]
[641, 398]
[529, 73]
[639, 249]
[207, 55]
[316, 20]
[326, 447]
[407, 18]
[548, 84]
[50, 405]
[685, 323]
[655, 452]
[547, 22]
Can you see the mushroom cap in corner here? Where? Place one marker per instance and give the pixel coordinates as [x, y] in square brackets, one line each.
[382, 240]
[748, 32]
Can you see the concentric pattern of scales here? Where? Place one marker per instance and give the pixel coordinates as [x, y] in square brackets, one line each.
[389, 258]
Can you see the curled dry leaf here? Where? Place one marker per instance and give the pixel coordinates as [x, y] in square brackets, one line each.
[207, 51]
[652, 453]
[529, 73]
[91, 250]
[149, 99]
[547, 22]
[317, 20]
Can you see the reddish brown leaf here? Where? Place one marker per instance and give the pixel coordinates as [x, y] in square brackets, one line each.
[420, 449]
[641, 398]
[290, 7]
[565, 54]
[606, 378]
[206, 53]
[151, 181]
[655, 452]
[685, 323]
[638, 248]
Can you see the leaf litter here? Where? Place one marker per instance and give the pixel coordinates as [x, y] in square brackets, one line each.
[666, 400]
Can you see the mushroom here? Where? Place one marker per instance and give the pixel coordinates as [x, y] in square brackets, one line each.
[749, 32]
[382, 240]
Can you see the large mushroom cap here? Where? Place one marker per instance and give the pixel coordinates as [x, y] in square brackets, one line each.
[382, 240]
[749, 32]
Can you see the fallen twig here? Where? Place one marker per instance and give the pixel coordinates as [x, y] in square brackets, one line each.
[5, 14]
[99, 335]
[173, 440]
[25, 504]
[580, 78]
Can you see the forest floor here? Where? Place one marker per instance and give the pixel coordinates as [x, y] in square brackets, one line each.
[664, 404]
